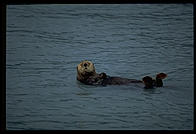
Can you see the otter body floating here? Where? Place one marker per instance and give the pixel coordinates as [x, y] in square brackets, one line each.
[86, 74]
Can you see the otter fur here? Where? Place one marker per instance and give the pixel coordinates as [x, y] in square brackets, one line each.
[86, 74]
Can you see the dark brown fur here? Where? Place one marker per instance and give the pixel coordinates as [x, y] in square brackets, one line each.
[93, 78]
[103, 79]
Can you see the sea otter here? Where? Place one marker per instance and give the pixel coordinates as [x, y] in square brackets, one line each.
[86, 74]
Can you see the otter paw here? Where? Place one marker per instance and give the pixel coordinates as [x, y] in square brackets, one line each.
[103, 75]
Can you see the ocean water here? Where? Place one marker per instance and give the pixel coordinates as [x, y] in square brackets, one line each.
[45, 43]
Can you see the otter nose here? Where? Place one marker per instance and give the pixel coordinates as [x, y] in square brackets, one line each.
[85, 64]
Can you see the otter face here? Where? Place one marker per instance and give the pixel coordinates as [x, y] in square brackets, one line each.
[85, 69]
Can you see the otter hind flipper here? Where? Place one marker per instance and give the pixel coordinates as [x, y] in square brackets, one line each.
[159, 77]
[148, 82]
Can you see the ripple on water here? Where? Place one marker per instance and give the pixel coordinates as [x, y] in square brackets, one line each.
[41, 60]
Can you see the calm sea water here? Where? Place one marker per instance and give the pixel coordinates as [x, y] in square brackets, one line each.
[46, 42]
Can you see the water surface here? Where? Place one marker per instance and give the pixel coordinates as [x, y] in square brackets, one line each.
[46, 42]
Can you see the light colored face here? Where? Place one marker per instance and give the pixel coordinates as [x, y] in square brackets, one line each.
[85, 67]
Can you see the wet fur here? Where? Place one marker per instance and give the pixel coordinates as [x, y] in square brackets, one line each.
[86, 74]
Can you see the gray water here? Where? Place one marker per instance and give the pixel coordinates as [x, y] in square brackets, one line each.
[46, 42]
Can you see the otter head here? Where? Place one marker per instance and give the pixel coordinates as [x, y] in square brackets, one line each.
[85, 69]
